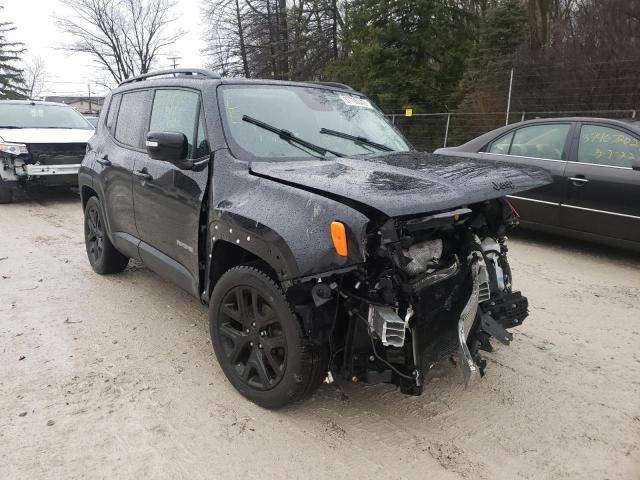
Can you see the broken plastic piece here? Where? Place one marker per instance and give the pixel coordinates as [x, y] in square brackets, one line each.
[386, 323]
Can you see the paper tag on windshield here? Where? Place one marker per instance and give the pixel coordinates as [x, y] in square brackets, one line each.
[355, 101]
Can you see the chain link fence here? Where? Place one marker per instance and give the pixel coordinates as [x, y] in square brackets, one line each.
[428, 131]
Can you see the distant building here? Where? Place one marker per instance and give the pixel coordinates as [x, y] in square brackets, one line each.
[81, 104]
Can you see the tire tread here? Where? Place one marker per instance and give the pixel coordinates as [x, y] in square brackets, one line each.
[112, 260]
[314, 360]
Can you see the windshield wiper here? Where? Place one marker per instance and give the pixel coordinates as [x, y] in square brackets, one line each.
[289, 137]
[362, 141]
[9, 126]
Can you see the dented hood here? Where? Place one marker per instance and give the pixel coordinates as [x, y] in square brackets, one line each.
[406, 183]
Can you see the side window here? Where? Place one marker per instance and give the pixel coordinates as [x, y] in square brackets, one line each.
[111, 114]
[540, 141]
[502, 144]
[132, 118]
[176, 111]
[202, 144]
[607, 146]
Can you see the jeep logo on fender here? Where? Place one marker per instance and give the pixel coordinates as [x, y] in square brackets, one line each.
[502, 185]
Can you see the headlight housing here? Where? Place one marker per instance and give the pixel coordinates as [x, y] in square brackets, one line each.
[13, 148]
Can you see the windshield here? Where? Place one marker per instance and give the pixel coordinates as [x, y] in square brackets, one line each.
[16, 115]
[338, 122]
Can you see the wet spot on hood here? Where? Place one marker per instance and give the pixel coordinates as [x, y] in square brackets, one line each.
[394, 182]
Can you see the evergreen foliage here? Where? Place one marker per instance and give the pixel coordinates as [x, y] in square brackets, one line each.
[11, 77]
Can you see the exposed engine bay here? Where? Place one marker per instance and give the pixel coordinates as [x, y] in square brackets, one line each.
[432, 288]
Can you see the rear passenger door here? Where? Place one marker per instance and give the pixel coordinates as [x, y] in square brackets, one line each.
[116, 157]
[168, 200]
[544, 145]
[603, 191]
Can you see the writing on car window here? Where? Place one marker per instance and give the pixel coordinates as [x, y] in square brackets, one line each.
[607, 146]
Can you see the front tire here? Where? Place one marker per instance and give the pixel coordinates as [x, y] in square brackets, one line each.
[259, 342]
[103, 256]
[6, 193]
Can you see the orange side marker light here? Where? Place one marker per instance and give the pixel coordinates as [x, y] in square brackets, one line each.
[339, 237]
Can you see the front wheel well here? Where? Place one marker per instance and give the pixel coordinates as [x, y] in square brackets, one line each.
[85, 194]
[226, 255]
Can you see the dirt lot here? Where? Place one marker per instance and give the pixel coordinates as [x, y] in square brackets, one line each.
[114, 377]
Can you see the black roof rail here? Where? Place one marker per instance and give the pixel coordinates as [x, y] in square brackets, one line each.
[183, 72]
[331, 84]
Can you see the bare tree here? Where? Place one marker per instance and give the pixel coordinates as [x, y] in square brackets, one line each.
[284, 39]
[123, 36]
[35, 76]
[226, 37]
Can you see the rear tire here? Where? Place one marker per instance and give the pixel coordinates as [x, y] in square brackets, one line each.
[259, 342]
[103, 256]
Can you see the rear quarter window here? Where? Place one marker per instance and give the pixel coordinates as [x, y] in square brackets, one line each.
[501, 145]
[114, 104]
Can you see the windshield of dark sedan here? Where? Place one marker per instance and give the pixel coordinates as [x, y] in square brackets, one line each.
[303, 111]
[16, 115]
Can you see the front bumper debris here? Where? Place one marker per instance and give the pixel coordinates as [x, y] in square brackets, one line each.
[43, 170]
[387, 325]
[470, 371]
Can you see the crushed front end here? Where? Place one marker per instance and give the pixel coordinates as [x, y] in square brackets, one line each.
[42, 163]
[432, 288]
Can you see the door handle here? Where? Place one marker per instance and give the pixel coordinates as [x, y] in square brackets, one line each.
[579, 180]
[104, 161]
[143, 174]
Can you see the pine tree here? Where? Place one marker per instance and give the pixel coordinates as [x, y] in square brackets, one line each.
[484, 86]
[406, 52]
[11, 79]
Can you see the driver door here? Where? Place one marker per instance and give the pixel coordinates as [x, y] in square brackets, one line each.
[603, 191]
[168, 200]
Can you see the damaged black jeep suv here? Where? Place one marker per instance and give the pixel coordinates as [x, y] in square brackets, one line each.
[325, 246]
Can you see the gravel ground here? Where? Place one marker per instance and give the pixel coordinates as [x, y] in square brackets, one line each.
[114, 377]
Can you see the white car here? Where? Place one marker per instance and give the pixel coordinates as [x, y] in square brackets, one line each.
[40, 143]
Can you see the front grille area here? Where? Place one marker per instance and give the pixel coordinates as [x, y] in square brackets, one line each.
[56, 153]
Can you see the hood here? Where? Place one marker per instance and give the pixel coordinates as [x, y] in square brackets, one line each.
[45, 135]
[406, 183]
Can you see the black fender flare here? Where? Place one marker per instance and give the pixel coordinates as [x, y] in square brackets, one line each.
[257, 239]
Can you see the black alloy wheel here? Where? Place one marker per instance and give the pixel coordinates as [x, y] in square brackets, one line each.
[252, 337]
[259, 342]
[94, 231]
[103, 256]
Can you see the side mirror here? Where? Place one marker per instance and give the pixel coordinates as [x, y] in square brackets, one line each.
[635, 164]
[170, 147]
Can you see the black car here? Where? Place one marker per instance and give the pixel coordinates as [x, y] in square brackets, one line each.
[323, 243]
[595, 163]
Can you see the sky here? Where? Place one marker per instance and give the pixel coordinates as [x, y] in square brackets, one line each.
[70, 73]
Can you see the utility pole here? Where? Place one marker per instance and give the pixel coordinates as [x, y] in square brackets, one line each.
[173, 59]
[90, 112]
[509, 98]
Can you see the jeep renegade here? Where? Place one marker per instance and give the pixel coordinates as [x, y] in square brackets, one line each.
[325, 246]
